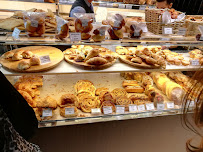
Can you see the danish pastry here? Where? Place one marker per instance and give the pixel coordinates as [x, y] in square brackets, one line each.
[89, 103]
[118, 92]
[8, 55]
[23, 65]
[124, 101]
[67, 99]
[17, 56]
[92, 53]
[34, 60]
[27, 54]
[100, 90]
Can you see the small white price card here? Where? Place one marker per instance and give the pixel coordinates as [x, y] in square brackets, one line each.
[192, 104]
[129, 6]
[170, 105]
[201, 38]
[120, 109]
[69, 111]
[167, 30]
[75, 37]
[194, 62]
[165, 39]
[182, 31]
[44, 59]
[107, 110]
[160, 106]
[132, 108]
[121, 6]
[16, 33]
[96, 111]
[47, 112]
[152, 6]
[34, 23]
[142, 7]
[109, 4]
[141, 108]
[102, 4]
[150, 106]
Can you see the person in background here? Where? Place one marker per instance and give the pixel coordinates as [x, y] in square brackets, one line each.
[81, 6]
[162, 4]
[194, 122]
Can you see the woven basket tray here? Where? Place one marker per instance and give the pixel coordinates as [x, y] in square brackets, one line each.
[153, 18]
[192, 26]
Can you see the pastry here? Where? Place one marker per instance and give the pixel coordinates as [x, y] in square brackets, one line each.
[106, 96]
[89, 103]
[137, 76]
[92, 53]
[28, 98]
[124, 101]
[108, 104]
[17, 56]
[138, 97]
[79, 58]
[34, 60]
[100, 90]
[185, 62]
[134, 89]
[64, 32]
[8, 55]
[27, 54]
[109, 57]
[80, 99]
[67, 99]
[96, 61]
[47, 102]
[118, 92]
[121, 50]
[147, 80]
[137, 60]
[83, 25]
[23, 65]
[150, 61]
[85, 36]
[63, 111]
[129, 83]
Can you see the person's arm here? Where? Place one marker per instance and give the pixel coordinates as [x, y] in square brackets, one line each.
[77, 9]
[20, 114]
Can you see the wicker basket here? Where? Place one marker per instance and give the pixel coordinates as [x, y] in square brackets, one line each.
[192, 26]
[153, 18]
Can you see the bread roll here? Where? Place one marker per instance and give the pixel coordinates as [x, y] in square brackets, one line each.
[23, 65]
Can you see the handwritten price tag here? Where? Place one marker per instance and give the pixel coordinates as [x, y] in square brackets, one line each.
[170, 105]
[160, 106]
[141, 108]
[129, 6]
[44, 59]
[16, 33]
[142, 7]
[150, 106]
[47, 112]
[194, 62]
[69, 111]
[182, 31]
[132, 108]
[121, 6]
[168, 30]
[96, 111]
[107, 110]
[120, 109]
[75, 37]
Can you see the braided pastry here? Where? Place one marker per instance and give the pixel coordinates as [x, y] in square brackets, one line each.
[124, 101]
[119, 92]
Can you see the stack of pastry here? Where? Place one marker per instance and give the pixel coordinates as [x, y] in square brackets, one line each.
[28, 87]
[90, 55]
[172, 90]
[19, 54]
[47, 104]
[197, 55]
[68, 101]
[87, 100]
[140, 56]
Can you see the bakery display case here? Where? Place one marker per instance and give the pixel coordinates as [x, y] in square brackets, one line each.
[74, 72]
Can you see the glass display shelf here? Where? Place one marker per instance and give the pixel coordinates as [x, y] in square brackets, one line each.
[105, 118]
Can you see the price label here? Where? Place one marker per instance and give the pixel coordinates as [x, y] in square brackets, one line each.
[141, 108]
[121, 6]
[194, 62]
[96, 111]
[170, 105]
[137, 33]
[34, 23]
[165, 39]
[69, 111]
[107, 110]
[201, 38]
[129, 6]
[16, 33]
[75, 36]
[132, 108]
[44, 59]
[160, 106]
[182, 31]
[47, 112]
[109, 4]
[120, 109]
[152, 6]
[168, 30]
[150, 106]
[102, 32]
[142, 7]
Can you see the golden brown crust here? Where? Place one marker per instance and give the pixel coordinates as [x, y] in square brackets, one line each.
[92, 53]
[89, 103]
[27, 54]
[96, 61]
[17, 56]
[34, 60]
[185, 62]
[134, 89]
[8, 55]
[27, 97]
[67, 99]
[106, 96]
[137, 60]
[100, 90]
[23, 65]
[47, 102]
[118, 92]
[124, 101]
[129, 83]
